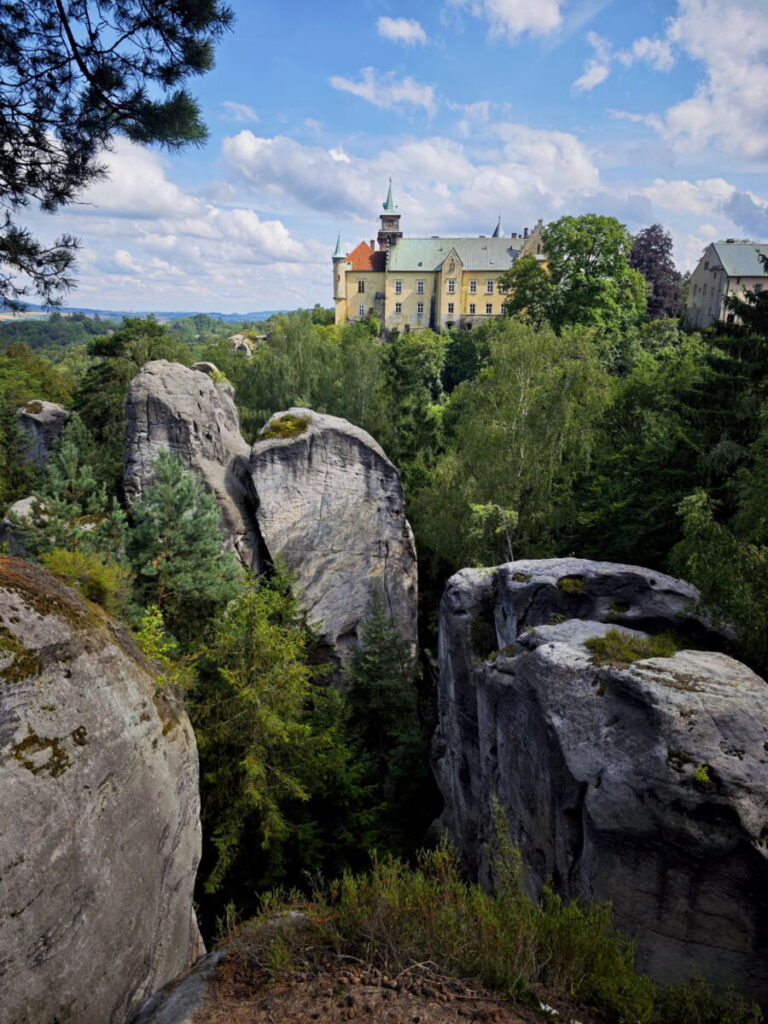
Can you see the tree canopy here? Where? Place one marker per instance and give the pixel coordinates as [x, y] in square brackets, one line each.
[652, 256]
[588, 263]
[74, 74]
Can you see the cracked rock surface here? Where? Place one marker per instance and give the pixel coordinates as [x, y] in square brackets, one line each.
[330, 503]
[642, 783]
[320, 494]
[99, 812]
[186, 412]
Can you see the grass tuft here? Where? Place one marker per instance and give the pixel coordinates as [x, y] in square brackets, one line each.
[618, 648]
[284, 427]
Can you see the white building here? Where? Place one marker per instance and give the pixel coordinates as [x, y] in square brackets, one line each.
[726, 268]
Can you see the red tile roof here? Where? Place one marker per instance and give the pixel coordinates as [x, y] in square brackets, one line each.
[363, 257]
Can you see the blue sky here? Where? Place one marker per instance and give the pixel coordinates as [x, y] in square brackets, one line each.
[653, 112]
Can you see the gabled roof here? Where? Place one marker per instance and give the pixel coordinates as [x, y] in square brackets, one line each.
[363, 257]
[474, 253]
[740, 259]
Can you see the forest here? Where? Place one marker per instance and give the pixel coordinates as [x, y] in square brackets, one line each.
[578, 424]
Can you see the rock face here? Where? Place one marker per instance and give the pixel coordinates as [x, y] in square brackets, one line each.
[99, 813]
[43, 423]
[186, 412]
[331, 504]
[314, 490]
[643, 783]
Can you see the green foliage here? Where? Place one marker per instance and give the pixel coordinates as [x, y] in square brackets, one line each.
[97, 577]
[396, 916]
[731, 573]
[620, 648]
[56, 331]
[267, 736]
[100, 397]
[154, 640]
[285, 426]
[73, 81]
[698, 1002]
[72, 510]
[385, 733]
[588, 265]
[519, 434]
[529, 289]
[175, 548]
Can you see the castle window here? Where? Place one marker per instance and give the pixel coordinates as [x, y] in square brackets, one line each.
[489, 308]
[420, 287]
[420, 308]
[361, 310]
[450, 307]
[471, 307]
[398, 307]
[451, 285]
[489, 287]
[398, 287]
[361, 286]
[473, 287]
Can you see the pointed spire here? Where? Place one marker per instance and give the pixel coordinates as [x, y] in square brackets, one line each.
[499, 231]
[390, 205]
[339, 254]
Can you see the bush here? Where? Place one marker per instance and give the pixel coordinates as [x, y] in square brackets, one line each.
[96, 577]
[619, 648]
[284, 427]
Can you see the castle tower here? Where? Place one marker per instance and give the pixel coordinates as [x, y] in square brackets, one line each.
[389, 232]
[339, 287]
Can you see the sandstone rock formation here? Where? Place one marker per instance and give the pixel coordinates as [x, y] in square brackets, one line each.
[43, 423]
[99, 813]
[645, 783]
[331, 504]
[186, 412]
[315, 491]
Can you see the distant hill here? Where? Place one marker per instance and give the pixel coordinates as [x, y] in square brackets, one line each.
[116, 314]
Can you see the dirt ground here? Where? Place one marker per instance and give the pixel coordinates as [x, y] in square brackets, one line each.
[336, 990]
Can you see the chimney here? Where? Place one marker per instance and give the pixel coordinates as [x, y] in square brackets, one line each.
[525, 232]
[514, 234]
[373, 244]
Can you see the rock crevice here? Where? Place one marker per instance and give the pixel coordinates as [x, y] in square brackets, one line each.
[642, 782]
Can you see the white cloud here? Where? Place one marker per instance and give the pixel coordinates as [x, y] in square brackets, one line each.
[451, 186]
[727, 111]
[407, 31]
[239, 111]
[339, 156]
[512, 18]
[656, 52]
[697, 197]
[387, 91]
[137, 186]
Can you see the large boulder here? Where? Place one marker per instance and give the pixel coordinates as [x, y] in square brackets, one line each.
[331, 505]
[193, 415]
[642, 782]
[43, 424]
[100, 833]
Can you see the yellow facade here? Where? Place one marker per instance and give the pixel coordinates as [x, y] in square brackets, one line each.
[412, 283]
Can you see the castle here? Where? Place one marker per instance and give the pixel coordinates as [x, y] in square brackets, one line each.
[436, 282]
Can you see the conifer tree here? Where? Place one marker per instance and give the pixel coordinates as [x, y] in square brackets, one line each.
[176, 551]
[72, 511]
[385, 730]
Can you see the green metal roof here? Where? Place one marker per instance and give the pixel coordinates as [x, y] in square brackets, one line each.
[474, 253]
[390, 205]
[339, 253]
[740, 259]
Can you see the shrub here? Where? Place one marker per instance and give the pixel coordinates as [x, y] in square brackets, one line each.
[697, 1002]
[96, 577]
[619, 648]
[284, 427]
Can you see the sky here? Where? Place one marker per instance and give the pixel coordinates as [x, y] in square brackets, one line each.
[651, 112]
